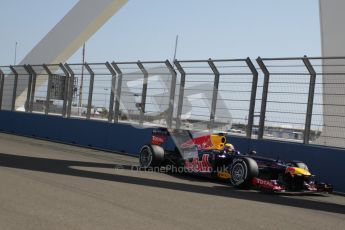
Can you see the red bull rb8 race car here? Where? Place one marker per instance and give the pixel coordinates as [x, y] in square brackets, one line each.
[210, 155]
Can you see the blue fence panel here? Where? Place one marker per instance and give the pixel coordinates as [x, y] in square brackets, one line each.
[114, 137]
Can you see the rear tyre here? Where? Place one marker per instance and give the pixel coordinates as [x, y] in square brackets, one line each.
[242, 172]
[151, 156]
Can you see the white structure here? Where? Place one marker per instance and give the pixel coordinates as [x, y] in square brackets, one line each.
[79, 24]
[332, 18]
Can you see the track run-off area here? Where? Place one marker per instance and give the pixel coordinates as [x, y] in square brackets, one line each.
[47, 185]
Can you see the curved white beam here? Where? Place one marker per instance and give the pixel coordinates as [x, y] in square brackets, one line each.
[74, 29]
[79, 24]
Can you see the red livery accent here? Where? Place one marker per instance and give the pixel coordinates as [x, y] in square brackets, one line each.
[199, 166]
[290, 169]
[311, 187]
[202, 142]
[158, 139]
[266, 184]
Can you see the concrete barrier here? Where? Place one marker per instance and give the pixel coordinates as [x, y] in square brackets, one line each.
[325, 162]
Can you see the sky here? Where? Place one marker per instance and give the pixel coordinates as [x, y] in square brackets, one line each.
[146, 29]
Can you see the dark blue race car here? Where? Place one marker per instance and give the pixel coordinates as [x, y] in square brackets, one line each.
[211, 156]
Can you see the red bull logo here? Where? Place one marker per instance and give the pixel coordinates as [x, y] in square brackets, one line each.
[212, 141]
[199, 166]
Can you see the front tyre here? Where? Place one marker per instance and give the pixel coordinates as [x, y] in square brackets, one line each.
[242, 172]
[151, 156]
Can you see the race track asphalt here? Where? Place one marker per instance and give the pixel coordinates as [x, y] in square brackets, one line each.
[46, 185]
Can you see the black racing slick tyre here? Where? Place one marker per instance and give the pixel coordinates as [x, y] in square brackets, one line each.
[151, 156]
[242, 172]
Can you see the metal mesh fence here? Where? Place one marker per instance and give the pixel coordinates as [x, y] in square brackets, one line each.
[328, 119]
[8, 80]
[234, 98]
[197, 95]
[288, 99]
[146, 88]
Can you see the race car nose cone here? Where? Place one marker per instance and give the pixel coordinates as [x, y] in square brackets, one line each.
[298, 171]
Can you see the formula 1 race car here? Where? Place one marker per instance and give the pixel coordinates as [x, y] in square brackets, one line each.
[211, 156]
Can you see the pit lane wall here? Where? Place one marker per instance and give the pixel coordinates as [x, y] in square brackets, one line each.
[325, 162]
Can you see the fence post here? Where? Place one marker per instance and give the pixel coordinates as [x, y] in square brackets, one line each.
[112, 91]
[144, 92]
[215, 93]
[46, 111]
[70, 90]
[255, 74]
[170, 114]
[181, 93]
[264, 97]
[65, 94]
[89, 100]
[26, 106]
[118, 92]
[2, 79]
[14, 95]
[33, 88]
[309, 113]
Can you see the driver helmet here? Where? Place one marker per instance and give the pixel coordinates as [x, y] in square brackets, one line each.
[229, 147]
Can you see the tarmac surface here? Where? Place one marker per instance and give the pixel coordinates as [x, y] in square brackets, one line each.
[46, 185]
